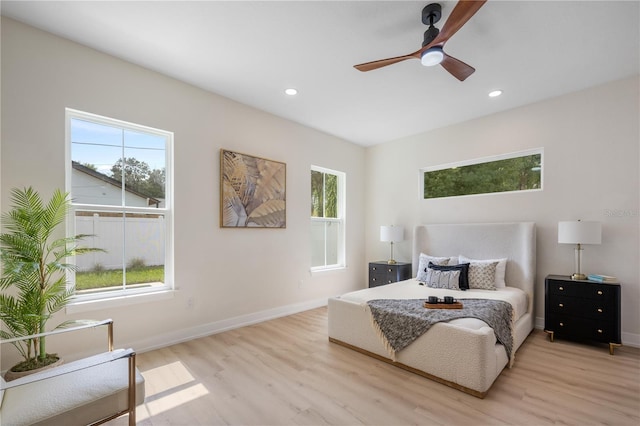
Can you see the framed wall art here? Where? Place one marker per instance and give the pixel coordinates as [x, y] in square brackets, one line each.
[252, 191]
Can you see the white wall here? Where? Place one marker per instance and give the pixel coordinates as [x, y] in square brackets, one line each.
[224, 276]
[591, 172]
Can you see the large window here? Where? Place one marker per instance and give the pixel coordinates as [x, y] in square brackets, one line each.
[521, 171]
[327, 218]
[119, 177]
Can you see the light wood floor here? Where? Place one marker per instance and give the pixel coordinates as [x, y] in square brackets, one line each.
[285, 372]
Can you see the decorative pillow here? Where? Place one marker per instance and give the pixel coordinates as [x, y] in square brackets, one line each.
[463, 283]
[501, 269]
[482, 275]
[443, 279]
[423, 263]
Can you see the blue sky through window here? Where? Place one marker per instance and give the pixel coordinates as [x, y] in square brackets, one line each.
[102, 145]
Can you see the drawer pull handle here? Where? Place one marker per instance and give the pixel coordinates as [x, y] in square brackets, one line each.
[389, 282]
[561, 305]
[389, 270]
[600, 330]
[373, 279]
[374, 268]
[561, 324]
[599, 292]
[560, 288]
[600, 310]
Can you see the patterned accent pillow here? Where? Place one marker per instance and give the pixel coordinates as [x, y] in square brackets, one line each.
[443, 279]
[501, 269]
[463, 283]
[482, 275]
[423, 263]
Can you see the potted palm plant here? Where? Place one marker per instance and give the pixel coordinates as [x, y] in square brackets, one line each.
[34, 265]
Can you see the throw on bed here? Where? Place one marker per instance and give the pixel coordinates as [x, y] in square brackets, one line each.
[401, 321]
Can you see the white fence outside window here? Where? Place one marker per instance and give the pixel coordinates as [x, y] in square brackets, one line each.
[144, 240]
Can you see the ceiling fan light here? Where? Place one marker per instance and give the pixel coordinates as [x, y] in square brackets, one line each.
[432, 56]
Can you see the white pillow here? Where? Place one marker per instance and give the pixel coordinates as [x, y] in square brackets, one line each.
[501, 269]
[423, 262]
[443, 279]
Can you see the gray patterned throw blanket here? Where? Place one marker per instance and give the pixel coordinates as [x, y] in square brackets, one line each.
[401, 321]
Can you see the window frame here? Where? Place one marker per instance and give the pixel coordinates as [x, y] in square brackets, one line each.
[341, 219]
[488, 159]
[166, 211]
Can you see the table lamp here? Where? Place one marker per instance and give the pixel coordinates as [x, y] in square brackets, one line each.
[391, 234]
[578, 233]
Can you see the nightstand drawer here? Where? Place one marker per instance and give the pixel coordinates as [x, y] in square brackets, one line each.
[600, 292]
[562, 288]
[581, 307]
[565, 305]
[583, 328]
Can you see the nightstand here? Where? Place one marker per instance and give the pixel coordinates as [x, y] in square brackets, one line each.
[582, 310]
[381, 273]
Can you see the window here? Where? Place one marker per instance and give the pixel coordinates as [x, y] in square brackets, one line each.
[119, 177]
[520, 171]
[327, 218]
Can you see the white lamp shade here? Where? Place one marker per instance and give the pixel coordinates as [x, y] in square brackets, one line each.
[579, 232]
[391, 233]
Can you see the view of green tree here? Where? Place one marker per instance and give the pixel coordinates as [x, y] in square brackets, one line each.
[512, 174]
[90, 166]
[317, 194]
[139, 177]
[324, 194]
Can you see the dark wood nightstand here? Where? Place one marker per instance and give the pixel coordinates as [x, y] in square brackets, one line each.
[381, 273]
[582, 310]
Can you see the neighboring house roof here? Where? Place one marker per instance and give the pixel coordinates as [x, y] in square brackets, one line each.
[111, 181]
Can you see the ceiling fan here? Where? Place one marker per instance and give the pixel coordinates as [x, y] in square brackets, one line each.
[432, 52]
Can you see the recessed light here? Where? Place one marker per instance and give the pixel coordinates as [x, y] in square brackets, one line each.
[291, 92]
[495, 93]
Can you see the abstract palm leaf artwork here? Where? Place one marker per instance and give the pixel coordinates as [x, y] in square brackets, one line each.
[252, 191]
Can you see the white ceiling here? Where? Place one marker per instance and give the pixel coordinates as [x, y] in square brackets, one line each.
[252, 51]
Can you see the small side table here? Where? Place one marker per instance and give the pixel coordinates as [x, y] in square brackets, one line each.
[382, 273]
[582, 310]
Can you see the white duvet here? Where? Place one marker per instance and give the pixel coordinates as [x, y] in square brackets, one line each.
[412, 289]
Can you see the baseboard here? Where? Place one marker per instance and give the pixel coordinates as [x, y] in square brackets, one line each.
[628, 339]
[539, 323]
[167, 339]
[631, 339]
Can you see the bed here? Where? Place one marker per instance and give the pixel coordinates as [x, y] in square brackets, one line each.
[463, 353]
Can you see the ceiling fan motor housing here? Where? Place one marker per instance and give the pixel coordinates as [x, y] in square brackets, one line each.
[429, 35]
[430, 15]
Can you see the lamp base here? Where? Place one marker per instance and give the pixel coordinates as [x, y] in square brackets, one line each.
[391, 262]
[578, 277]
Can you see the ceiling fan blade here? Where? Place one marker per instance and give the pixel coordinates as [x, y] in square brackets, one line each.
[461, 13]
[368, 66]
[457, 68]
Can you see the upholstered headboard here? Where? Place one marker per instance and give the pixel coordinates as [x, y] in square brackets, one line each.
[516, 241]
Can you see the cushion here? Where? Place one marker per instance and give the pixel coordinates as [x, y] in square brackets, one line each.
[423, 263]
[482, 275]
[443, 279]
[77, 397]
[463, 282]
[501, 269]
